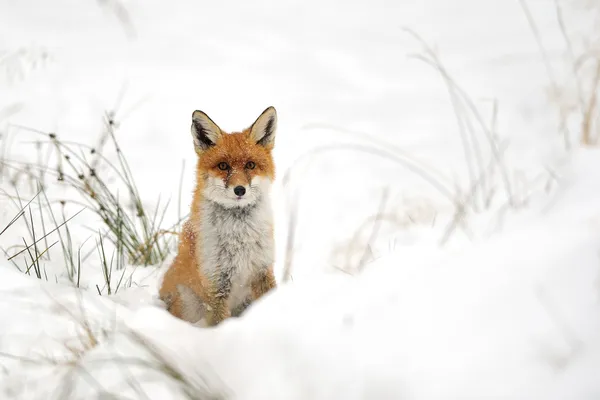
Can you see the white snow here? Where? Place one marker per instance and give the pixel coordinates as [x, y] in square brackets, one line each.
[501, 302]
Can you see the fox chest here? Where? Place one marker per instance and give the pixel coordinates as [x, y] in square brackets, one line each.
[236, 245]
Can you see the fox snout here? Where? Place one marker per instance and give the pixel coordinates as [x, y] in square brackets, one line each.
[239, 191]
[238, 184]
[236, 191]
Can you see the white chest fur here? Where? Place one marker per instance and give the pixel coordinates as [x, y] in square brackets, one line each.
[236, 243]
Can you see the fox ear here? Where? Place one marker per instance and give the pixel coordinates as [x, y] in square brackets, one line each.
[204, 131]
[263, 129]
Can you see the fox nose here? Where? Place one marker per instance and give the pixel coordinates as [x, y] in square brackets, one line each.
[239, 190]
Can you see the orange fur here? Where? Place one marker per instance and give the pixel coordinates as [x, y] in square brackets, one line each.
[236, 149]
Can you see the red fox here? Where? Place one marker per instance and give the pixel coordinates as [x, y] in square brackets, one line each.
[226, 248]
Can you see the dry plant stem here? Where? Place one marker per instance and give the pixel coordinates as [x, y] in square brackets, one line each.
[588, 109]
[66, 244]
[460, 97]
[19, 214]
[27, 224]
[384, 217]
[549, 71]
[42, 221]
[458, 221]
[38, 240]
[568, 42]
[466, 133]
[375, 231]
[121, 13]
[538, 39]
[589, 113]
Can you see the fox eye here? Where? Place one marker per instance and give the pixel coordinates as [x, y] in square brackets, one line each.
[223, 166]
[250, 165]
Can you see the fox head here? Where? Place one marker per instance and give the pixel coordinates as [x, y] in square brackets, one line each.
[236, 169]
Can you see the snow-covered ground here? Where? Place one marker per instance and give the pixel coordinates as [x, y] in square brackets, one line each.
[480, 277]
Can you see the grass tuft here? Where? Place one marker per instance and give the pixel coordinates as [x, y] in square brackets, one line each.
[134, 230]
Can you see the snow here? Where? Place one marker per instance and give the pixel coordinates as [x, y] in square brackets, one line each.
[501, 302]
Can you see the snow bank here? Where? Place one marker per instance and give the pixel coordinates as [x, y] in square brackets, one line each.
[514, 317]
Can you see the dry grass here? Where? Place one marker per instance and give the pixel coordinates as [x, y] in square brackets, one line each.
[130, 232]
[136, 233]
[484, 160]
[583, 58]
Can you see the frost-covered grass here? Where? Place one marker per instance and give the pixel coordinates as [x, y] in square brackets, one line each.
[438, 226]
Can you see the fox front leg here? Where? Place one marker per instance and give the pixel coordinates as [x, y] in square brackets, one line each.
[217, 305]
[262, 283]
